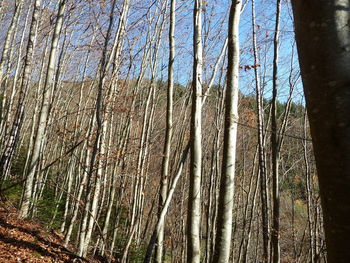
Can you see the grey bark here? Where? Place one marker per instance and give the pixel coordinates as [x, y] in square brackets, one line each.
[225, 207]
[194, 200]
[5, 58]
[41, 129]
[275, 141]
[6, 157]
[168, 131]
[323, 41]
[261, 148]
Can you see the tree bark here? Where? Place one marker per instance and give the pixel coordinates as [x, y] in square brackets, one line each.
[323, 40]
[261, 149]
[224, 221]
[41, 129]
[275, 141]
[168, 131]
[4, 60]
[6, 157]
[194, 201]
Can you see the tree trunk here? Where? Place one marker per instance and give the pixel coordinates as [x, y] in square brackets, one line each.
[41, 129]
[323, 40]
[6, 157]
[168, 131]
[224, 221]
[4, 60]
[261, 148]
[275, 233]
[194, 200]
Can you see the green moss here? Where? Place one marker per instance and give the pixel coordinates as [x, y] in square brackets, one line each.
[18, 163]
[13, 194]
[37, 255]
[48, 208]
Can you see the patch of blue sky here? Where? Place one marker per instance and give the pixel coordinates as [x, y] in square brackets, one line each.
[91, 19]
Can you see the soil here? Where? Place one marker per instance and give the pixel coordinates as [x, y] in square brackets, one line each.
[23, 241]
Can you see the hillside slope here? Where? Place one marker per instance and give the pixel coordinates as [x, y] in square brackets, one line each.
[25, 241]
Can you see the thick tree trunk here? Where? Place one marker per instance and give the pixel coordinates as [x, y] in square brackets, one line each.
[323, 40]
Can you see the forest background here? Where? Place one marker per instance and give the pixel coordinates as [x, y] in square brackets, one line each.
[84, 111]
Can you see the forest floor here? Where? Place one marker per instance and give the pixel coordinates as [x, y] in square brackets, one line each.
[26, 241]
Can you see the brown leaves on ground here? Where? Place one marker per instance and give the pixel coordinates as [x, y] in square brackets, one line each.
[24, 241]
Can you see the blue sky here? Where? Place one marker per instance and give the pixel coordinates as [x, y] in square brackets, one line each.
[93, 16]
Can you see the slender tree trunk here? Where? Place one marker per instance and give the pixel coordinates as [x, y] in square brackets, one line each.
[212, 204]
[41, 129]
[310, 214]
[161, 218]
[7, 115]
[18, 118]
[94, 178]
[80, 188]
[262, 166]
[168, 131]
[224, 221]
[275, 141]
[194, 200]
[4, 60]
[8, 39]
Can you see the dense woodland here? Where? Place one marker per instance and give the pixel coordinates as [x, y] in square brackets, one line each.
[178, 131]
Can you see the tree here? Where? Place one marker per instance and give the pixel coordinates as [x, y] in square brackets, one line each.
[261, 147]
[275, 145]
[5, 161]
[194, 200]
[44, 112]
[323, 41]
[224, 221]
[5, 57]
[169, 129]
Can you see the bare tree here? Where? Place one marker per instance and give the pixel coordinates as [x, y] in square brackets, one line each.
[224, 221]
[275, 141]
[7, 155]
[261, 148]
[44, 111]
[194, 200]
[5, 57]
[169, 129]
